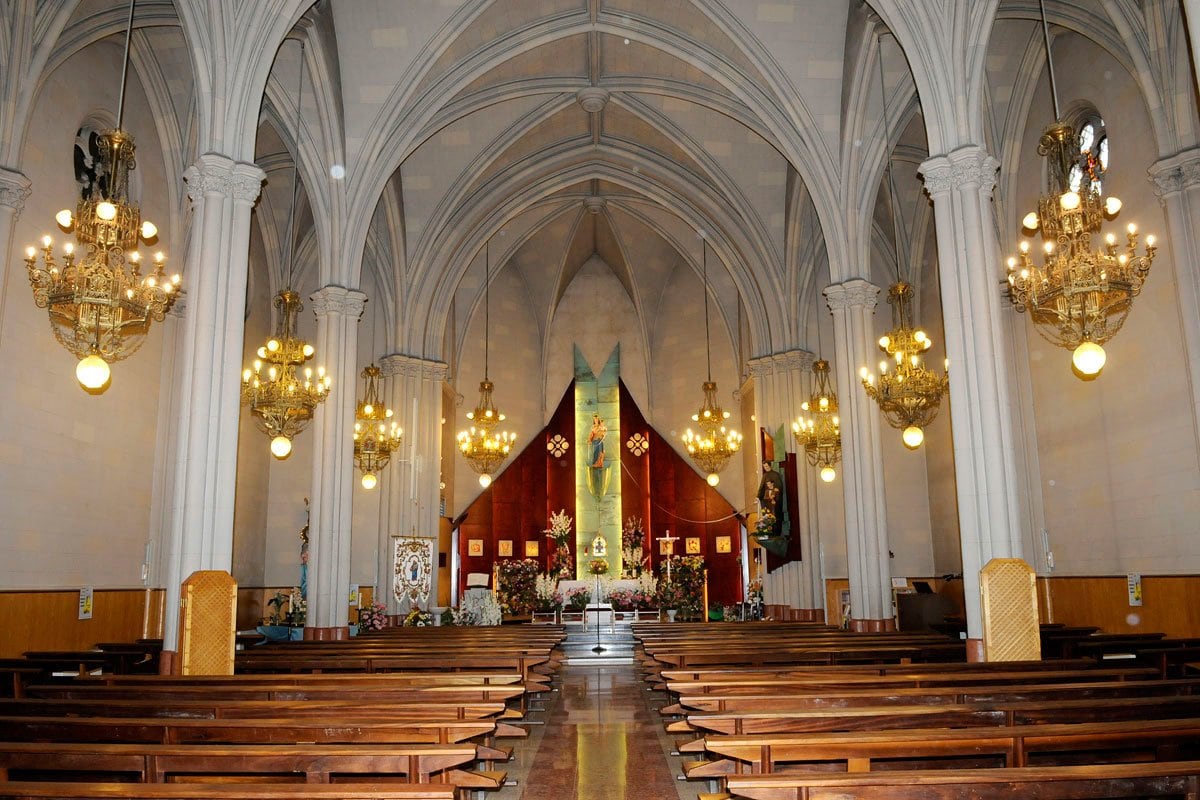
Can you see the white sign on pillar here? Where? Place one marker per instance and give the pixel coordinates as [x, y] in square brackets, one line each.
[412, 573]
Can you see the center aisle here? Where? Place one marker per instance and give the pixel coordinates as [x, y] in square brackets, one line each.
[603, 740]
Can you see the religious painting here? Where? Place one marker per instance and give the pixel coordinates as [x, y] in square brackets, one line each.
[475, 547]
[531, 549]
[504, 548]
[413, 569]
[666, 547]
[724, 544]
[693, 545]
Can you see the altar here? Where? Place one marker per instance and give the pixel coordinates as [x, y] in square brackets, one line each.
[627, 585]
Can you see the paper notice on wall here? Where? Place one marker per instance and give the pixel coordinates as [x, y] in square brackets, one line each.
[85, 602]
[1134, 583]
[355, 597]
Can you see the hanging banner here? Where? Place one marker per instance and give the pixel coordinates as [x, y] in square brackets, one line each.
[413, 560]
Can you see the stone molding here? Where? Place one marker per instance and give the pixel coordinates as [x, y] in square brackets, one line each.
[594, 205]
[216, 174]
[414, 367]
[592, 99]
[780, 363]
[966, 167]
[1175, 174]
[854, 293]
[15, 189]
[338, 300]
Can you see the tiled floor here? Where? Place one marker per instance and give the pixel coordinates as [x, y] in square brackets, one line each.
[603, 740]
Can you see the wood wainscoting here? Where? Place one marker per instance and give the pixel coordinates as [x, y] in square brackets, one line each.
[49, 619]
[1170, 603]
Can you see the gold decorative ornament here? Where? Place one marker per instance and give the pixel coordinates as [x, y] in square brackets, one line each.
[376, 436]
[100, 304]
[483, 447]
[908, 393]
[714, 444]
[820, 432]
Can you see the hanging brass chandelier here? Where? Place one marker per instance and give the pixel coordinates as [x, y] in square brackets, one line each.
[714, 444]
[376, 436]
[820, 433]
[909, 395]
[281, 400]
[484, 447]
[1079, 297]
[100, 304]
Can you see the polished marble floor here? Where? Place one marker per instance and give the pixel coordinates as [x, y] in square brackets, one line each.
[603, 739]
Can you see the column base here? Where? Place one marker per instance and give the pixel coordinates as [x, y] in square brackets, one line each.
[337, 634]
[975, 653]
[872, 625]
[167, 662]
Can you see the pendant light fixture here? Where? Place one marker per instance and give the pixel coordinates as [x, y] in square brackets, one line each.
[282, 401]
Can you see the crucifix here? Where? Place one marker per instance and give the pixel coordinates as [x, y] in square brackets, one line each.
[671, 540]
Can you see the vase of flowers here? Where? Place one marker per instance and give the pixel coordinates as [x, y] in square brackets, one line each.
[561, 563]
[632, 538]
[372, 617]
[598, 566]
[577, 599]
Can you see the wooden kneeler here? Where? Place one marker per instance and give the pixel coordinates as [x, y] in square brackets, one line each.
[1008, 594]
[207, 629]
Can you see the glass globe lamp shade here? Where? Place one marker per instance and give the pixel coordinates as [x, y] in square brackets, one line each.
[369, 481]
[1089, 358]
[93, 373]
[485, 480]
[828, 474]
[913, 437]
[281, 447]
[713, 479]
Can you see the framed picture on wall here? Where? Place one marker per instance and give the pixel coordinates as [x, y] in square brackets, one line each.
[531, 549]
[475, 547]
[693, 545]
[724, 544]
[504, 548]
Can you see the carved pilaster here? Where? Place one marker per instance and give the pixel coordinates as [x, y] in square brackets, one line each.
[1175, 174]
[15, 189]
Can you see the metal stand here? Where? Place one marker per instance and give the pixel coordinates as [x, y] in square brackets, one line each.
[598, 648]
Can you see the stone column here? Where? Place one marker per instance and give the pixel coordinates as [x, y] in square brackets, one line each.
[222, 192]
[1177, 184]
[14, 191]
[412, 482]
[970, 271]
[338, 310]
[853, 304]
[781, 384]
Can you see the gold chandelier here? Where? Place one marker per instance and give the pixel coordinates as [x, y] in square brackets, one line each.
[280, 400]
[909, 394]
[482, 445]
[715, 443]
[375, 436]
[1079, 297]
[100, 304]
[820, 434]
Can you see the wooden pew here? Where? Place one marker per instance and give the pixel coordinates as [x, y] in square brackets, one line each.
[228, 791]
[1165, 779]
[1007, 746]
[250, 709]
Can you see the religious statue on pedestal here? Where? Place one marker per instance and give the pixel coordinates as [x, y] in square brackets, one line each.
[599, 472]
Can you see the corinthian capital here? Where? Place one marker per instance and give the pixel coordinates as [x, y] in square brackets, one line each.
[338, 300]
[215, 174]
[14, 190]
[1176, 173]
[852, 294]
[967, 167]
[413, 367]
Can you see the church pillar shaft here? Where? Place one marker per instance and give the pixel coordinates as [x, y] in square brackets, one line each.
[338, 310]
[413, 484]
[15, 189]
[961, 186]
[222, 192]
[853, 304]
[1177, 184]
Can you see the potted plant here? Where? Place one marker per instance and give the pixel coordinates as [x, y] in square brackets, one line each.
[274, 626]
[372, 617]
[578, 598]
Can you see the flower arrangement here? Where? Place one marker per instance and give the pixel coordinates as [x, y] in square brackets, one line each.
[298, 608]
[598, 566]
[477, 609]
[686, 587]
[561, 563]
[648, 584]
[277, 614]
[633, 536]
[548, 598]
[417, 619]
[578, 598]
[670, 595]
[631, 600]
[765, 525]
[372, 617]
[517, 585]
[755, 594]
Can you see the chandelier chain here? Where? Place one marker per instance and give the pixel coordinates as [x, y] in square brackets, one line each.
[125, 66]
[887, 147]
[707, 336]
[290, 244]
[1049, 60]
[487, 302]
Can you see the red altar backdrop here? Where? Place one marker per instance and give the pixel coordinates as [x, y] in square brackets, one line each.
[658, 485]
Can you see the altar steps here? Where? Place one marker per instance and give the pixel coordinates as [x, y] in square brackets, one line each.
[618, 646]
